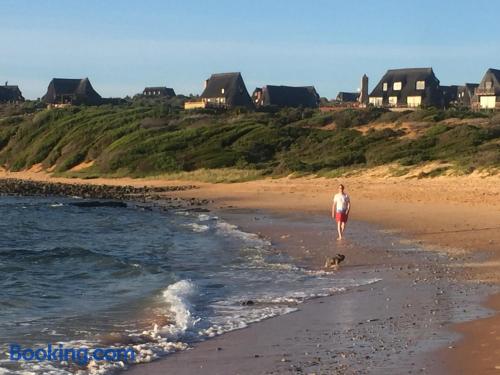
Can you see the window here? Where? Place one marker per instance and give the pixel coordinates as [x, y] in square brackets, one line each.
[393, 101]
[376, 101]
[222, 91]
[384, 86]
[414, 101]
[489, 84]
[488, 102]
[397, 86]
[420, 85]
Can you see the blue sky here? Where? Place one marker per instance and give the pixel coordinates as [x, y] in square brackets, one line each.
[123, 46]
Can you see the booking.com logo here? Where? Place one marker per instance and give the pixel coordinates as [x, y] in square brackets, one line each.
[80, 356]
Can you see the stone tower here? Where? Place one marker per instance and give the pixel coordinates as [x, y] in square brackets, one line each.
[363, 97]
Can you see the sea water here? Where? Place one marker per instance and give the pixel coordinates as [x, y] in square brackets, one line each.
[157, 281]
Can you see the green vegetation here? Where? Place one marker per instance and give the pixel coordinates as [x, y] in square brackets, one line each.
[149, 139]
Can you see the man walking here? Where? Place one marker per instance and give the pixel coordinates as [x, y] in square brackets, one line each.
[340, 210]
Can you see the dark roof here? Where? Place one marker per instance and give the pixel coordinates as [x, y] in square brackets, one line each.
[431, 94]
[348, 96]
[408, 78]
[471, 86]
[77, 91]
[468, 88]
[495, 72]
[450, 93]
[289, 96]
[465, 93]
[10, 93]
[164, 91]
[229, 86]
[217, 82]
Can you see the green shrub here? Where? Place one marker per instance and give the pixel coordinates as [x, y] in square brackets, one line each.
[290, 140]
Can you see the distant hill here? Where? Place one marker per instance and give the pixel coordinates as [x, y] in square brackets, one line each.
[141, 139]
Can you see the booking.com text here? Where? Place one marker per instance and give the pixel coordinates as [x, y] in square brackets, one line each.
[80, 356]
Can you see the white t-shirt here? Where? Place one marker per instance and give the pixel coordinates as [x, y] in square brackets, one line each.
[341, 200]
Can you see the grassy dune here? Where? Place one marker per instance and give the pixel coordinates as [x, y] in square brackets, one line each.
[149, 139]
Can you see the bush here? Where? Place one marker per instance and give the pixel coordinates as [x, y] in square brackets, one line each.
[148, 139]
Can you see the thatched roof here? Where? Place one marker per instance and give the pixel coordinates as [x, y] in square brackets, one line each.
[471, 86]
[431, 95]
[450, 93]
[75, 91]
[287, 96]
[465, 93]
[348, 96]
[159, 91]
[229, 86]
[491, 75]
[10, 93]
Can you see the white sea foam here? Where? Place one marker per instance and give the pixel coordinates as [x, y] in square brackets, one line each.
[160, 341]
[199, 228]
[205, 217]
[177, 296]
[232, 230]
[242, 318]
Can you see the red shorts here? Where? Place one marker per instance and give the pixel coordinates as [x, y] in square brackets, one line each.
[341, 216]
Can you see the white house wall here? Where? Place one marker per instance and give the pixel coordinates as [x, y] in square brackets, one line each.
[488, 102]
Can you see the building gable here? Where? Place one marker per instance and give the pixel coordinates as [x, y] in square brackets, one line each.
[490, 84]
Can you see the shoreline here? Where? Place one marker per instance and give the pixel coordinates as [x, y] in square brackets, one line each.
[368, 329]
[306, 197]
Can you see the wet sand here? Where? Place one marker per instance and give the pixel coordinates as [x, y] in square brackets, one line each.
[478, 352]
[389, 327]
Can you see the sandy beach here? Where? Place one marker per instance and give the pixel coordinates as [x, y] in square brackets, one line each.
[395, 324]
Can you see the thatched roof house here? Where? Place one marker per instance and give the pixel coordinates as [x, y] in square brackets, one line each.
[71, 91]
[488, 91]
[347, 97]
[466, 94]
[10, 94]
[158, 92]
[226, 90]
[407, 88]
[286, 96]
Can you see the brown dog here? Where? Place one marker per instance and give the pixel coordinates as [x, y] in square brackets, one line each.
[334, 262]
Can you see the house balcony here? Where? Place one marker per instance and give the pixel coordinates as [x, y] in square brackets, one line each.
[485, 91]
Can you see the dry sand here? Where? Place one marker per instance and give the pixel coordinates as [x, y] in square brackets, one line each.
[460, 215]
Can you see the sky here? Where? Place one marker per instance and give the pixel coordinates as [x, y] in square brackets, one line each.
[123, 46]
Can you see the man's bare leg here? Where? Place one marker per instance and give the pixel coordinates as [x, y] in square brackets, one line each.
[342, 228]
[339, 230]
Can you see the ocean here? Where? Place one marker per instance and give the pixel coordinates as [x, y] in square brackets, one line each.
[156, 281]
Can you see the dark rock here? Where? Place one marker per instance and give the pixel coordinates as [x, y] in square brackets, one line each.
[17, 187]
[98, 204]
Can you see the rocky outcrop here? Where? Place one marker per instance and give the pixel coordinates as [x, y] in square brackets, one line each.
[18, 187]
